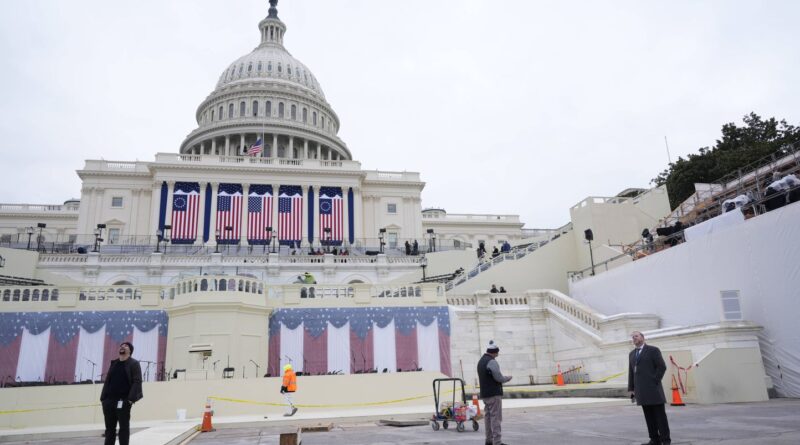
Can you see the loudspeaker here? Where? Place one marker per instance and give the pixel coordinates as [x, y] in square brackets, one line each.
[588, 234]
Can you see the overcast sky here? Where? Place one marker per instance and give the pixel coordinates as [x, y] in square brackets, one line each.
[520, 107]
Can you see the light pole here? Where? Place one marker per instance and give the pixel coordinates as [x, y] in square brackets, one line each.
[98, 233]
[228, 236]
[589, 237]
[216, 237]
[327, 231]
[274, 238]
[165, 236]
[159, 234]
[381, 233]
[431, 241]
[423, 265]
[29, 231]
[41, 227]
[2, 261]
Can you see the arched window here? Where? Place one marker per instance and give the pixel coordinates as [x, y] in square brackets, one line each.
[242, 109]
[250, 68]
[7, 295]
[280, 70]
[223, 284]
[269, 66]
[323, 122]
[255, 108]
[205, 116]
[294, 112]
[220, 112]
[280, 109]
[55, 295]
[241, 68]
[305, 115]
[45, 295]
[259, 67]
[305, 78]
[212, 115]
[16, 295]
[230, 111]
[269, 108]
[314, 117]
[289, 70]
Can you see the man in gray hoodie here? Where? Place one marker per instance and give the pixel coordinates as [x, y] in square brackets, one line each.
[491, 380]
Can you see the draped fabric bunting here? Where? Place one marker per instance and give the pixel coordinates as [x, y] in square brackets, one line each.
[311, 214]
[229, 213]
[331, 216]
[356, 340]
[185, 209]
[207, 214]
[162, 208]
[259, 214]
[290, 214]
[77, 346]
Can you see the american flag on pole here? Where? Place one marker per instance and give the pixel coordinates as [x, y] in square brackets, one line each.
[331, 216]
[259, 214]
[229, 213]
[290, 214]
[185, 208]
[256, 148]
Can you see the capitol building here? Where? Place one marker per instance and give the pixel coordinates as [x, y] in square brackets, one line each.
[261, 241]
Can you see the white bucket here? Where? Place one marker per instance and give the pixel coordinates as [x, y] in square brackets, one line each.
[181, 414]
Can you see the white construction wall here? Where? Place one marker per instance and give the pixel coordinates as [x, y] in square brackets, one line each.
[759, 259]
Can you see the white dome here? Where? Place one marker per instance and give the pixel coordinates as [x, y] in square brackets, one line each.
[270, 62]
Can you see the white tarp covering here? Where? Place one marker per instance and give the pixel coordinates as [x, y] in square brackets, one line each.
[384, 347]
[428, 346]
[339, 348]
[716, 224]
[90, 354]
[33, 356]
[292, 347]
[146, 351]
[759, 258]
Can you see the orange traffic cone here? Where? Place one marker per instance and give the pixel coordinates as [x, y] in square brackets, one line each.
[206, 427]
[676, 394]
[475, 402]
[559, 377]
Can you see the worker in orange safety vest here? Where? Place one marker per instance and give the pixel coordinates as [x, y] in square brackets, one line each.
[288, 388]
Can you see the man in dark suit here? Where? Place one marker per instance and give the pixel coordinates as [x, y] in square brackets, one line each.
[646, 368]
[122, 388]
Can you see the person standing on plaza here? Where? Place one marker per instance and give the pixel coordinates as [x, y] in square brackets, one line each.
[289, 387]
[491, 381]
[122, 388]
[646, 368]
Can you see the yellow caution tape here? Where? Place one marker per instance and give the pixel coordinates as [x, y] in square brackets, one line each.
[31, 410]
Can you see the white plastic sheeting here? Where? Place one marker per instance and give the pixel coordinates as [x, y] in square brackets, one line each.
[716, 224]
[33, 356]
[384, 347]
[760, 258]
[339, 348]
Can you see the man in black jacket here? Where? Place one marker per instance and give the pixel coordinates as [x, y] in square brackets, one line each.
[122, 388]
[491, 380]
[646, 368]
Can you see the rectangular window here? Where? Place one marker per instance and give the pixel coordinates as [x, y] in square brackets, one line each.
[731, 305]
[391, 208]
[391, 238]
[116, 201]
[113, 236]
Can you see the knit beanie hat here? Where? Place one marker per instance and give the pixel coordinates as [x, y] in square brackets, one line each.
[492, 347]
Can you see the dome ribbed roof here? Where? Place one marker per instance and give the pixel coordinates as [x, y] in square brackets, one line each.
[270, 62]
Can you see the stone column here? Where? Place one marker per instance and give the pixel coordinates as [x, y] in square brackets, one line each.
[291, 147]
[274, 152]
[212, 222]
[305, 149]
[319, 151]
[201, 215]
[203, 148]
[275, 192]
[227, 145]
[245, 207]
[241, 146]
[213, 146]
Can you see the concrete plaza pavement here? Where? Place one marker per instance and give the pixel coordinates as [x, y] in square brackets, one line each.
[773, 422]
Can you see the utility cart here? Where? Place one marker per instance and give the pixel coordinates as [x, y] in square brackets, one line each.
[455, 411]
